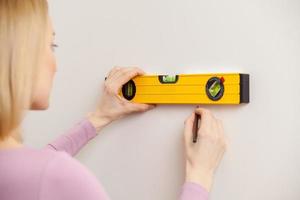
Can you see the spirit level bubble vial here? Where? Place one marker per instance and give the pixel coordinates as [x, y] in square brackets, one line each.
[220, 88]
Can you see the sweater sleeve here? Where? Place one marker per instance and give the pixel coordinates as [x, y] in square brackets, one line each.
[193, 191]
[74, 138]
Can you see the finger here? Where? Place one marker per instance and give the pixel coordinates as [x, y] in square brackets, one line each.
[138, 107]
[124, 71]
[143, 105]
[188, 129]
[205, 116]
[116, 84]
[113, 71]
[126, 76]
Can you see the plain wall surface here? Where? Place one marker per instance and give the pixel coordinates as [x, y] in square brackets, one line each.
[141, 157]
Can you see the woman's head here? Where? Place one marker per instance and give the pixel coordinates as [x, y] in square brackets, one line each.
[27, 63]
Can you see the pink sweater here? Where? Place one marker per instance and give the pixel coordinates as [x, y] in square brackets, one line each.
[53, 174]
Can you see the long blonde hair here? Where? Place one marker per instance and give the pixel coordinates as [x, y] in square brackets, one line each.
[23, 29]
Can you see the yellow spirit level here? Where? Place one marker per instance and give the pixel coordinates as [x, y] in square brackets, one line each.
[223, 88]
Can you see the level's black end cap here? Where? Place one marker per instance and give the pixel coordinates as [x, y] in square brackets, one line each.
[244, 88]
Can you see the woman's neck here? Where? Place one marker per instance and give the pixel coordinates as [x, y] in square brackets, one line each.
[14, 140]
[10, 143]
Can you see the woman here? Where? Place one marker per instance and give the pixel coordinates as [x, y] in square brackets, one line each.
[27, 67]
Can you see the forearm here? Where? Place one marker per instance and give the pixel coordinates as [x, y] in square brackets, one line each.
[74, 138]
[78, 136]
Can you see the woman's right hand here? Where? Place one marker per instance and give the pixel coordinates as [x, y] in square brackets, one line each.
[203, 157]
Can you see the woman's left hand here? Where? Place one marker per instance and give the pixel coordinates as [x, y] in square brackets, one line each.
[111, 105]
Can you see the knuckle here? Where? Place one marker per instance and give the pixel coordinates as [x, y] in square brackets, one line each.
[138, 70]
[133, 72]
[124, 72]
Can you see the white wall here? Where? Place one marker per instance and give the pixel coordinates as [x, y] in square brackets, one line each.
[141, 157]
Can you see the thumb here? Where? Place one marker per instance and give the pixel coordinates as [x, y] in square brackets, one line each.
[139, 107]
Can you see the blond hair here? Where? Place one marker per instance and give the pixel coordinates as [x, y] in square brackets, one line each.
[23, 29]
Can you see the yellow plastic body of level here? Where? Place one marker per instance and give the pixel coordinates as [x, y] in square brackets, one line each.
[216, 88]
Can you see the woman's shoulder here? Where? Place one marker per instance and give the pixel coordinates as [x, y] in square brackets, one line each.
[66, 178]
[40, 161]
[49, 173]
[21, 171]
[18, 163]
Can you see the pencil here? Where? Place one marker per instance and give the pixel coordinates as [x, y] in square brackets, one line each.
[195, 128]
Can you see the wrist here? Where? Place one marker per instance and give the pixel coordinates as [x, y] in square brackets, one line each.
[98, 120]
[204, 179]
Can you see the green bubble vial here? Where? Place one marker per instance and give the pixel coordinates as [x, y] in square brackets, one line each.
[129, 90]
[215, 88]
[169, 79]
